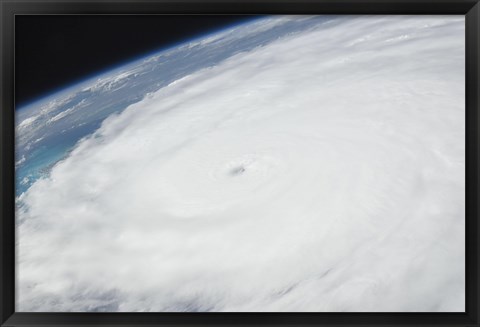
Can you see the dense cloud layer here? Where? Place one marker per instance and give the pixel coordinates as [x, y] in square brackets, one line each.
[321, 172]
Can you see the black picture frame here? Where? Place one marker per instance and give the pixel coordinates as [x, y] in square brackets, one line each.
[10, 8]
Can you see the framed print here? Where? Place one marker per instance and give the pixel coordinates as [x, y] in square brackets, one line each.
[226, 163]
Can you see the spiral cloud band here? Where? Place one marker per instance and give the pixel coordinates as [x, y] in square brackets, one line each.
[323, 171]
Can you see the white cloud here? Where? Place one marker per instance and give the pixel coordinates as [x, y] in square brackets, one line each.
[112, 82]
[322, 172]
[68, 111]
[27, 122]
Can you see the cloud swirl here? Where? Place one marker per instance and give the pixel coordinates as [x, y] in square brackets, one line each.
[321, 172]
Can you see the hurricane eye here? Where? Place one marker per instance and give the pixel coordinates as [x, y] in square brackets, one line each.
[237, 171]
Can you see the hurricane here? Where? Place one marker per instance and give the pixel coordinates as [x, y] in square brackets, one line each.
[287, 164]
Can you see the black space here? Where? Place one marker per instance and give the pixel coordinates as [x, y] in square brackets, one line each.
[54, 51]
